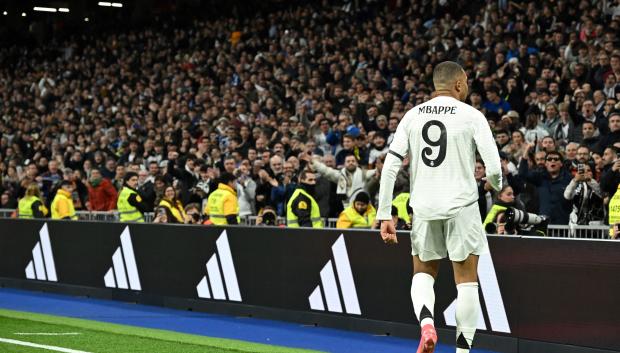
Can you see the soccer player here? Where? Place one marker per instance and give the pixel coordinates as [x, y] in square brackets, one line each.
[441, 137]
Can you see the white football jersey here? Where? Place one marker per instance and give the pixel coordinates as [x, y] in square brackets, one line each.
[441, 137]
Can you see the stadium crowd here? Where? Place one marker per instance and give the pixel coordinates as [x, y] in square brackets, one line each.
[309, 98]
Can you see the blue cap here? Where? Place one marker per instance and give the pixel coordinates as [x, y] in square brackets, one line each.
[353, 131]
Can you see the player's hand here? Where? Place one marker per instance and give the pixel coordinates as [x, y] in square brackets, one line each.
[388, 232]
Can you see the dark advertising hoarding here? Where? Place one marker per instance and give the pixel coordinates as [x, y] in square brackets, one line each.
[550, 290]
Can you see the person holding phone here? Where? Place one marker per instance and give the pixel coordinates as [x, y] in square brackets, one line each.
[585, 193]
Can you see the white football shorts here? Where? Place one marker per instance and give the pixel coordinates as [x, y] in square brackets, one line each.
[456, 237]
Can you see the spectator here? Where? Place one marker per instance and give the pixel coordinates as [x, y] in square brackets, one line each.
[614, 132]
[361, 214]
[587, 198]
[516, 146]
[7, 201]
[246, 191]
[102, 195]
[590, 135]
[379, 148]
[173, 206]
[193, 213]
[349, 179]
[62, 205]
[495, 104]
[550, 184]
[565, 130]
[146, 189]
[485, 197]
[267, 217]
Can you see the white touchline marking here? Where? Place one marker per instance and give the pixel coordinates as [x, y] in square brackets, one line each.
[47, 333]
[42, 346]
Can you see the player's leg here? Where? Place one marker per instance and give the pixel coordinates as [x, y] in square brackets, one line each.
[422, 289]
[467, 302]
[466, 240]
[428, 247]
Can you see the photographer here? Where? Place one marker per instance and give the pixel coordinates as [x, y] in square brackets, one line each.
[508, 217]
[193, 213]
[587, 197]
[267, 217]
[161, 216]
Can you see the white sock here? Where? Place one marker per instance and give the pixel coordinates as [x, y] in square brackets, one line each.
[467, 304]
[423, 298]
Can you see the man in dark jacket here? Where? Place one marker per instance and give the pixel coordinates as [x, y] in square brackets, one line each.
[614, 134]
[550, 183]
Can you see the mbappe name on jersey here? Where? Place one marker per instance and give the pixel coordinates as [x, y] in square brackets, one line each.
[433, 109]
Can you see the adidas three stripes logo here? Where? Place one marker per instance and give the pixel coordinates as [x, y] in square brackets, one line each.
[220, 283]
[330, 289]
[124, 272]
[42, 265]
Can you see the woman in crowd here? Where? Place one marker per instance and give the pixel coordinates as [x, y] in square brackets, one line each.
[173, 206]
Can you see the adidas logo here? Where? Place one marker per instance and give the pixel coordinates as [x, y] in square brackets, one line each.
[124, 272]
[492, 298]
[330, 289]
[220, 283]
[42, 265]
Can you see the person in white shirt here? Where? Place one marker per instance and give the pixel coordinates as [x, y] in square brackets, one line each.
[440, 137]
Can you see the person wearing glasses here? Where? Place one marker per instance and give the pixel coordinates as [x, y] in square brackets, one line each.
[550, 183]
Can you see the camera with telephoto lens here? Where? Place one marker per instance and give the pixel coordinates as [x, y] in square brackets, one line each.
[521, 222]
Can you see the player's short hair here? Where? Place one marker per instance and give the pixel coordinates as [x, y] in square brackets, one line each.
[446, 73]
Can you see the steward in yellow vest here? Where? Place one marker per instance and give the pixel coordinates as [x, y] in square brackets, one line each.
[302, 209]
[222, 205]
[361, 214]
[62, 206]
[31, 206]
[402, 202]
[130, 205]
[614, 213]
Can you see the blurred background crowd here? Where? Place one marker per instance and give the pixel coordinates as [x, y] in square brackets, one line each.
[308, 96]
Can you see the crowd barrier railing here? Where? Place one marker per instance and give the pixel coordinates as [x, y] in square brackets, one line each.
[553, 231]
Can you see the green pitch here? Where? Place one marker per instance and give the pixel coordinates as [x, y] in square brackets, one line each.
[22, 332]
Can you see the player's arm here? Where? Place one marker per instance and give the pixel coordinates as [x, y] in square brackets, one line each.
[397, 152]
[488, 151]
[393, 161]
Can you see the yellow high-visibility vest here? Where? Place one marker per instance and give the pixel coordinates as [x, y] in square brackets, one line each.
[400, 202]
[222, 203]
[128, 212]
[350, 218]
[614, 211]
[315, 212]
[25, 207]
[63, 197]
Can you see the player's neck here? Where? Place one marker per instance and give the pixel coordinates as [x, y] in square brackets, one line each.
[444, 93]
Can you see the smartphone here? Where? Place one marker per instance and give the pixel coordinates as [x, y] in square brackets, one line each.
[581, 168]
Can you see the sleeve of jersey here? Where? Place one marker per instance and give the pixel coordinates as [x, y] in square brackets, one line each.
[393, 161]
[488, 151]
